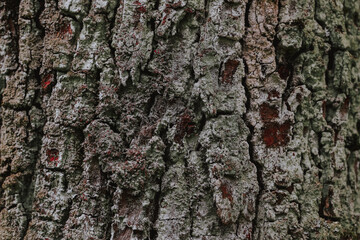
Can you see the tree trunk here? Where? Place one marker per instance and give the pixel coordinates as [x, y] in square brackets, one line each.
[180, 119]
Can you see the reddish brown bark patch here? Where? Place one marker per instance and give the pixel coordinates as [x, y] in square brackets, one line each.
[230, 69]
[327, 208]
[275, 134]
[122, 234]
[226, 192]
[356, 168]
[324, 109]
[268, 112]
[64, 30]
[189, 10]
[53, 155]
[141, 9]
[284, 71]
[46, 81]
[185, 126]
[273, 94]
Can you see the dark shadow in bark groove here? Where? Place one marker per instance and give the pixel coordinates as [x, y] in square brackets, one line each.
[158, 195]
[258, 166]
[111, 29]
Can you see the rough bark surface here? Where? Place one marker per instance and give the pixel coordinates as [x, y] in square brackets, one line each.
[180, 119]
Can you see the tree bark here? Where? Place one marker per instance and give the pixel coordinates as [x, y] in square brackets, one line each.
[180, 119]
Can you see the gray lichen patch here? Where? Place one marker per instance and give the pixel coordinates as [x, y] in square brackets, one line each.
[179, 119]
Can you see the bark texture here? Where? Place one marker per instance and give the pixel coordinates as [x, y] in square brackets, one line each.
[180, 119]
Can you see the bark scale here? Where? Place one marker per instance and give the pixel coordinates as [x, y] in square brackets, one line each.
[180, 119]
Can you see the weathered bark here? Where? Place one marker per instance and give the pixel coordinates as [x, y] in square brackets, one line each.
[180, 119]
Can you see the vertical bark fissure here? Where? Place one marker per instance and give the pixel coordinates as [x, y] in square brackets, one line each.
[286, 61]
[28, 198]
[111, 31]
[321, 23]
[29, 192]
[152, 24]
[330, 65]
[252, 158]
[158, 195]
[251, 129]
[13, 7]
[111, 188]
[67, 210]
[37, 18]
[207, 7]
[109, 196]
[247, 11]
[191, 215]
[157, 201]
